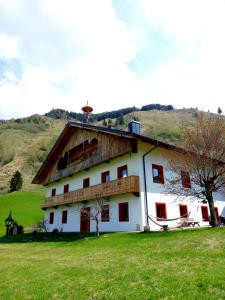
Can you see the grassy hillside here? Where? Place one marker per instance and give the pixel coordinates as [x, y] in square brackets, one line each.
[162, 125]
[24, 143]
[25, 207]
[185, 264]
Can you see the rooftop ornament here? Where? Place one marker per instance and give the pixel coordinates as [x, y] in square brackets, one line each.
[87, 110]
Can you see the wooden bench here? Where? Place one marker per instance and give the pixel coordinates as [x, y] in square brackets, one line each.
[187, 222]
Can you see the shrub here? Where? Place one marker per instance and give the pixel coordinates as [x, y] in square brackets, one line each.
[16, 182]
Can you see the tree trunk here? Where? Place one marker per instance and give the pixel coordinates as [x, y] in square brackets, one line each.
[209, 197]
[97, 227]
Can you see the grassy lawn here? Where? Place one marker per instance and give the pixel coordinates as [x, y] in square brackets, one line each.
[25, 207]
[188, 264]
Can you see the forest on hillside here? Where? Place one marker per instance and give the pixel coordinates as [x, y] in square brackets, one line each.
[66, 115]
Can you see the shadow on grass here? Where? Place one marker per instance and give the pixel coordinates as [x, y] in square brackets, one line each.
[45, 237]
[71, 237]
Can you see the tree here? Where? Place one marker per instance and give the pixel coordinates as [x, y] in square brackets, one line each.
[98, 210]
[104, 123]
[219, 111]
[204, 162]
[121, 120]
[16, 182]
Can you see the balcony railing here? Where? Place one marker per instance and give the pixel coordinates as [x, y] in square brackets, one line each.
[124, 185]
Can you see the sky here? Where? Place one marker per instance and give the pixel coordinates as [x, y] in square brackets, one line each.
[113, 53]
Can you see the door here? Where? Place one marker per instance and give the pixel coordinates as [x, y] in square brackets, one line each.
[85, 219]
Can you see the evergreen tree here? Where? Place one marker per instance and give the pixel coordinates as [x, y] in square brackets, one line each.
[117, 122]
[219, 111]
[16, 182]
[104, 123]
[121, 120]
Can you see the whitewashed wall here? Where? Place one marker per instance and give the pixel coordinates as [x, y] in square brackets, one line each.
[76, 182]
[73, 217]
[137, 211]
[156, 192]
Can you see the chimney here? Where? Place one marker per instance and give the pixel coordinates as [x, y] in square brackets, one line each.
[134, 127]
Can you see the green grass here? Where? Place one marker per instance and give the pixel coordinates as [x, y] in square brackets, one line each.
[25, 207]
[188, 264]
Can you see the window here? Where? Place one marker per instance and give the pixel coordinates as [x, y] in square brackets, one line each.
[66, 188]
[157, 173]
[53, 192]
[105, 213]
[86, 182]
[122, 172]
[205, 214]
[123, 212]
[160, 211]
[217, 213]
[51, 217]
[105, 177]
[64, 216]
[186, 180]
[183, 210]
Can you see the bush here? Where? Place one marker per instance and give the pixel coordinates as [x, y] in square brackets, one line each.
[16, 182]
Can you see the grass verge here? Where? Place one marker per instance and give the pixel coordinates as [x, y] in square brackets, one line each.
[188, 264]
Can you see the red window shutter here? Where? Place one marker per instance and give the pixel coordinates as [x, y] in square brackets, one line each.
[123, 212]
[66, 188]
[105, 177]
[157, 174]
[122, 171]
[217, 213]
[105, 213]
[51, 217]
[53, 192]
[161, 211]
[186, 180]
[64, 216]
[205, 214]
[164, 210]
[86, 182]
[183, 210]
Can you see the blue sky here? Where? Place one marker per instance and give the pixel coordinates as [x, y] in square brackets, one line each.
[114, 53]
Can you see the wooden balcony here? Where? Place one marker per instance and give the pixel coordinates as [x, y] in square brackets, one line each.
[120, 186]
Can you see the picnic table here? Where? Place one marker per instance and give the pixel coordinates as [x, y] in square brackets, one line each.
[187, 222]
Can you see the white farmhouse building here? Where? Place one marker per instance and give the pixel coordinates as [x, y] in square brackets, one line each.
[126, 169]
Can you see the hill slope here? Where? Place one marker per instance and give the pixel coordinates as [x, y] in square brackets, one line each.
[24, 143]
[162, 125]
[25, 207]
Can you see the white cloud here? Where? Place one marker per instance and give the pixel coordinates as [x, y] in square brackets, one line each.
[195, 77]
[74, 50]
[71, 51]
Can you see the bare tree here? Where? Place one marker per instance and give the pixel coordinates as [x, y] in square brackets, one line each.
[201, 172]
[99, 210]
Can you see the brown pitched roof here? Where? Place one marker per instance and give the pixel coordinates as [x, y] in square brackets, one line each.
[71, 127]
